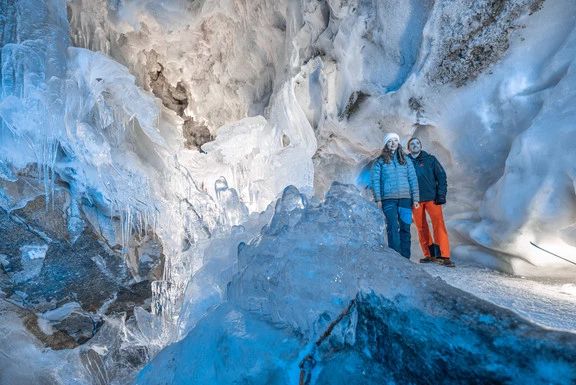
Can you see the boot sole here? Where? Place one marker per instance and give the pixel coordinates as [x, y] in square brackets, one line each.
[445, 264]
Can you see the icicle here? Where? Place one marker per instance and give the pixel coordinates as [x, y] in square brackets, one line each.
[126, 228]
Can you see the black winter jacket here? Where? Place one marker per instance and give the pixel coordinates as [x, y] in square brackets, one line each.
[431, 177]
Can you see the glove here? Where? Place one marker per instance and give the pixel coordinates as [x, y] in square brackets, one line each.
[440, 199]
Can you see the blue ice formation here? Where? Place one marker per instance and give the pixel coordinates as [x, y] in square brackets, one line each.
[405, 326]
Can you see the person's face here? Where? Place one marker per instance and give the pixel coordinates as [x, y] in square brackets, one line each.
[415, 146]
[392, 144]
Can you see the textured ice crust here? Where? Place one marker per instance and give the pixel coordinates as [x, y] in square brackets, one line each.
[309, 255]
[406, 326]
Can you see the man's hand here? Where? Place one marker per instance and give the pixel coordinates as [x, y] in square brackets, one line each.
[379, 204]
[440, 199]
[416, 205]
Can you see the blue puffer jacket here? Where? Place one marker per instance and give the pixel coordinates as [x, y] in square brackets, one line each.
[394, 180]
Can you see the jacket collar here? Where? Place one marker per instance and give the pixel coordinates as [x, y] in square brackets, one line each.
[423, 154]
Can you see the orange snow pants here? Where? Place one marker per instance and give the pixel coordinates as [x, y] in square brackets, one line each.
[438, 228]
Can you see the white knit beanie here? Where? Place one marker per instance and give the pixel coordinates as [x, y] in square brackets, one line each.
[391, 135]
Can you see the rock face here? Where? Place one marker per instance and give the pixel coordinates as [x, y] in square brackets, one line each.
[60, 271]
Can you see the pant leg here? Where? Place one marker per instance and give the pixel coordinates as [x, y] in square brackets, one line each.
[421, 223]
[405, 220]
[390, 208]
[439, 229]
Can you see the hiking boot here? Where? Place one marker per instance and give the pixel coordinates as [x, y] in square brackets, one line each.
[427, 260]
[445, 262]
[434, 250]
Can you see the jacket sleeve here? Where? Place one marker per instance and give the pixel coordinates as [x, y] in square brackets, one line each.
[375, 174]
[413, 181]
[440, 176]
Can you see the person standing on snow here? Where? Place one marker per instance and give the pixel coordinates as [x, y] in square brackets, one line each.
[395, 188]
[432, 188]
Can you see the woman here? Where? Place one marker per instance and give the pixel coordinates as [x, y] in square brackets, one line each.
[395, 188]
[432, 187]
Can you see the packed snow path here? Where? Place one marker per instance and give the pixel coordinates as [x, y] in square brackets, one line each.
[548, 302]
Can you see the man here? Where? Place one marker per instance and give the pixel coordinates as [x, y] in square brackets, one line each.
[432, 187]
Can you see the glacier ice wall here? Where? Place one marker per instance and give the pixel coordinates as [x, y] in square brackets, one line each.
[471, 78]
[33, 70]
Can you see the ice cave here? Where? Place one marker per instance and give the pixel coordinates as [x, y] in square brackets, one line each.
[187, 192]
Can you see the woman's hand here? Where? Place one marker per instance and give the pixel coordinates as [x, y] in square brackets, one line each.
[379, 204]
[416, 205]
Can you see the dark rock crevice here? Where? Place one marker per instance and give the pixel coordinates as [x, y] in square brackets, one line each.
[354, 103]
[195, 134]
[456, 338]
[175, 98]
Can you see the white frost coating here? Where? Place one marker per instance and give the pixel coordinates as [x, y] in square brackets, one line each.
[568, 288]
[31, 260]
[185, 40]
[45, 326]
[34, 251]
[61, 312]
[46, 319]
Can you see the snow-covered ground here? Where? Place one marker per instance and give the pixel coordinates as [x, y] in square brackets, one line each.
[549, 302]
